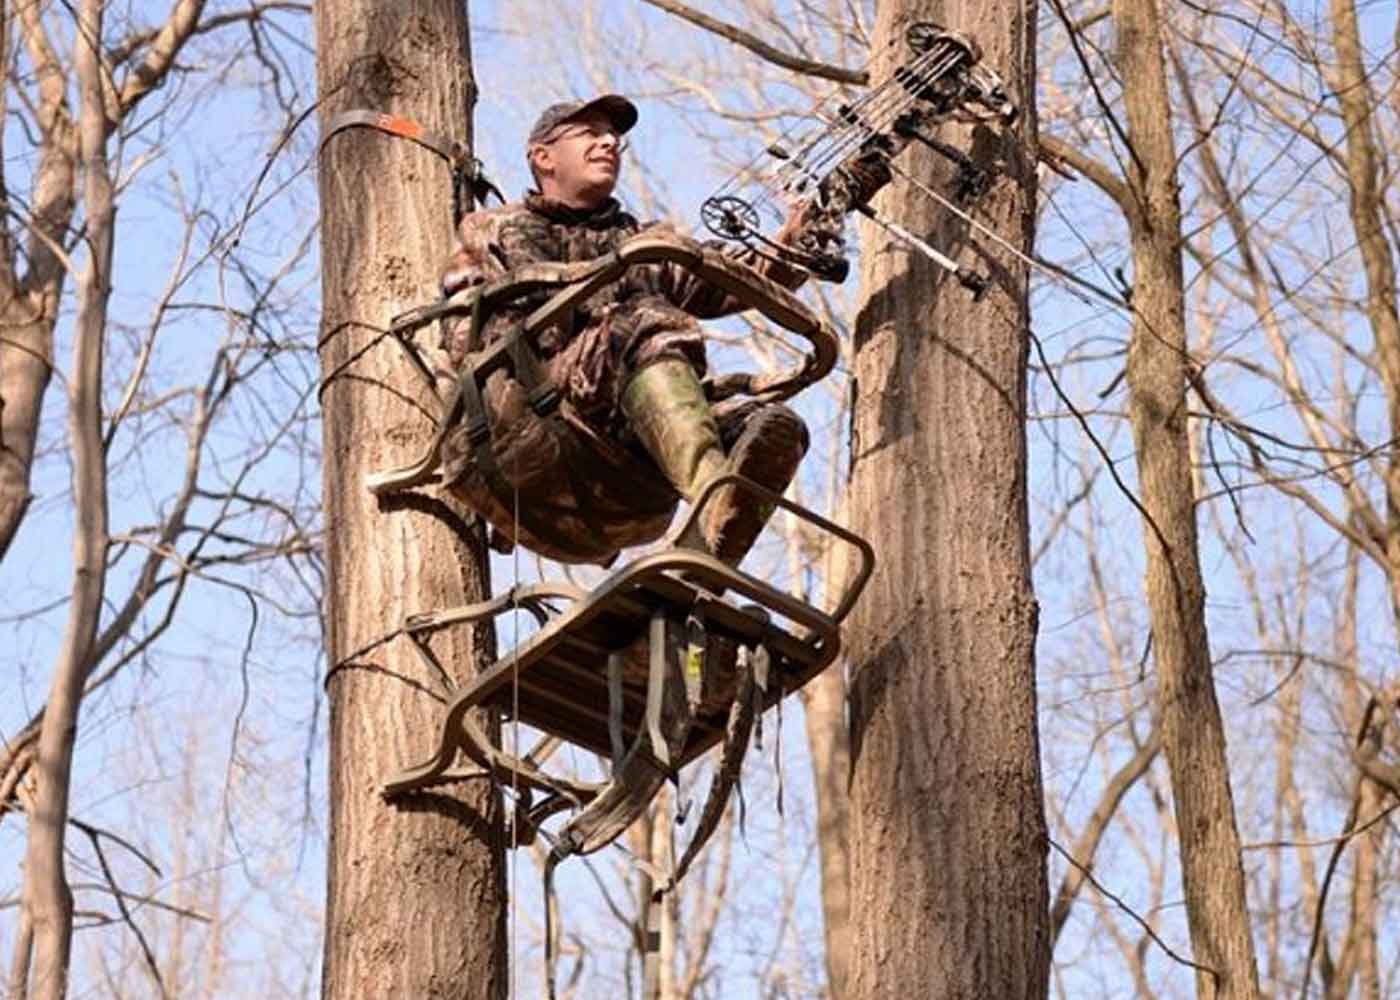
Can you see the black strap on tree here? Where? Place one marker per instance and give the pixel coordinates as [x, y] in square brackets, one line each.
[470, 185]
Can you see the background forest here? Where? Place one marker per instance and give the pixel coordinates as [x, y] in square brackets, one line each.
[162, 542]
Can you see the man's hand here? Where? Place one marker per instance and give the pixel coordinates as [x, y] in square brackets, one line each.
[798, 216]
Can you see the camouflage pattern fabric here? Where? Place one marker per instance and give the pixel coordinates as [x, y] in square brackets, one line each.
[581, 468]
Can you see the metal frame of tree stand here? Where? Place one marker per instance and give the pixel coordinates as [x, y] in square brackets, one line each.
[660, 662]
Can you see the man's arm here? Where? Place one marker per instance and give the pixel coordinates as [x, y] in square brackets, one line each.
[472, 263]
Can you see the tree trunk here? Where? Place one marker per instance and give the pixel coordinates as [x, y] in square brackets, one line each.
[663, 853]
[47, 895]
[416, 894]
[949, 892]
[1193, 735]
[1366, 203]
[24, 377]
[828, 737]
[829, 747]
[1360, 950]
[30, 302]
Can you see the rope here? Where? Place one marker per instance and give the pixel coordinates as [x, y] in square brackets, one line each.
[515, 729]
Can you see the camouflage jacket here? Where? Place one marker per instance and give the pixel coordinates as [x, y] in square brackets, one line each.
[649, 313]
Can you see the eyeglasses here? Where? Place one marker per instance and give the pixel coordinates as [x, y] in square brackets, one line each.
[592, 134]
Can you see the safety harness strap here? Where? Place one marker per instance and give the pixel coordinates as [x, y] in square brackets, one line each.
[484, 458]
[742, 712]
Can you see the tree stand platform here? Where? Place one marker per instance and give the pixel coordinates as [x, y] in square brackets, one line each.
[671, 655]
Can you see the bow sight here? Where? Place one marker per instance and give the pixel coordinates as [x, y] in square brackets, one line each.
[836, 168]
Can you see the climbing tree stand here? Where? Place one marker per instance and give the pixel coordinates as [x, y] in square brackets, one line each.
[674, 653]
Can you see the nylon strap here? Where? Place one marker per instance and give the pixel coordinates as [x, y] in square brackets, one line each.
[468, 176]
[450, 150]
[656, 686]
[551, 928]
[478, 423]
[484, 456]
[466, 404]
[725, 778]
[528, 372]
[615, 707]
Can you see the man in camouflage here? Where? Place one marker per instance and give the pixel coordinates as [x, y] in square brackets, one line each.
[634, 429]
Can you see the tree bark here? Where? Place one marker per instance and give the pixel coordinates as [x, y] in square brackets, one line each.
[1193, 734]
[829, 747]
[1366, 206]
[828, 737]
[24, 377]
[949, 893]
[1361, 946]
[30, 301]
[416, 892]
[47, 895]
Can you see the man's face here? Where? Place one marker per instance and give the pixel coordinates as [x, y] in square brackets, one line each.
[579, 162]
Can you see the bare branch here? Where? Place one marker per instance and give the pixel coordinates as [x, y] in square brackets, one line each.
[759, 47]
[1096, 170]
[151, 965]
[48, 897]
[164, 48]
[129, 46]
[1089, 877]
[1086, 846]
[53, 187]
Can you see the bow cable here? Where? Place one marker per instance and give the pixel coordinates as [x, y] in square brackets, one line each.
[848, 137]
[837, 137]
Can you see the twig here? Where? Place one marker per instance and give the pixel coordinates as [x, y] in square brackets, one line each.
[1348, 832]
[1265, 845]
[125, 911]
[1130, 912]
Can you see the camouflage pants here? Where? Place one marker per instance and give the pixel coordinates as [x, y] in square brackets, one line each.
[575, 486]
[592, 369]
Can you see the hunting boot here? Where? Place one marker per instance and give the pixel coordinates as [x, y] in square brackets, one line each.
[768, 448]
[667, 409]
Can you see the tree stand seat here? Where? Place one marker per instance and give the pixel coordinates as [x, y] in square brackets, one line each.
[505, 411]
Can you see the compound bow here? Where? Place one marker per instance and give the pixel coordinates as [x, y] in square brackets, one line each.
[836, 168]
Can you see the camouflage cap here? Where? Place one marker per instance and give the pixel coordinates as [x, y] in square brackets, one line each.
[616, 108]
